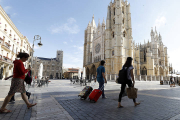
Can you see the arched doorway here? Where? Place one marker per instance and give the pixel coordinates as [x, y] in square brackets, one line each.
[57, 76]
[144, 71]
[155, 71]
[93, 72]
[51, 76]
[87, 73]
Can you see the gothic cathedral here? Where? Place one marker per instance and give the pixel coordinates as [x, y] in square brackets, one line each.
[113, 42]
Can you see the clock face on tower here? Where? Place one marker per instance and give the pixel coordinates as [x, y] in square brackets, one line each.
[97, 48]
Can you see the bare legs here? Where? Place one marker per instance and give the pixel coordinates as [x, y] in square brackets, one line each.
[8, 97]
[6, 101]
[24, 97]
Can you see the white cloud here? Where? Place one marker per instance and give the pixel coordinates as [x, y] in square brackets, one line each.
[7, 8]
[65, 42]
[73, 60]
[160, 21]
[14, 14]
[70, 27]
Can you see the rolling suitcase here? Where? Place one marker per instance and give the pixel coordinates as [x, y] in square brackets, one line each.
[95, 94]
[85, 92]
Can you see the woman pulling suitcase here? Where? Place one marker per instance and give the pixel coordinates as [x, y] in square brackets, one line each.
[130, 77]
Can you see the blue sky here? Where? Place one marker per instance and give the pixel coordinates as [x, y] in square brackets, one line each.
[61, 24]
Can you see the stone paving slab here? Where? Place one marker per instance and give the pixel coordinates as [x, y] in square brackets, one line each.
[58, 101]
[151, 108]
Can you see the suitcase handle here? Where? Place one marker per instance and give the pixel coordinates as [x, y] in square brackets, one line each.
[93, 84]
[103, 86]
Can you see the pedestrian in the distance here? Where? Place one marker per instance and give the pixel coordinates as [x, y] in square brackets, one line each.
[100, 76]
[17, 82]
[130, 77]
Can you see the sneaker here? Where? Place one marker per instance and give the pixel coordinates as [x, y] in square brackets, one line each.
[104, 97]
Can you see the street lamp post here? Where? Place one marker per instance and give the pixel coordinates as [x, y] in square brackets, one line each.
[36, 37]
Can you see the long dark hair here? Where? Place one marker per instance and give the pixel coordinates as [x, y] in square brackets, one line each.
[128, 62]
[21, 55]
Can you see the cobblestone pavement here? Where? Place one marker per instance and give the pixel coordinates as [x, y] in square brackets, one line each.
[59, 101]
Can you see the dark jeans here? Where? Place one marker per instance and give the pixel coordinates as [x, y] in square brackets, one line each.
[101, 87]
[129, 83]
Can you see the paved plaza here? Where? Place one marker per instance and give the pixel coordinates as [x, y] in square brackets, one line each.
[58, 101]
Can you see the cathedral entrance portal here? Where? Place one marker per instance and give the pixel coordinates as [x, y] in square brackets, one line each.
[87, 73]
[93, 72]
[144, 71]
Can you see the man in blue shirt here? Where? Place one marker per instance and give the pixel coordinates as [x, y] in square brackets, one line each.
[100, 75]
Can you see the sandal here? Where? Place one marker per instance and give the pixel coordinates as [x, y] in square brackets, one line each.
[5, 111]
[120, 106]
[29, 106]
[136, 104]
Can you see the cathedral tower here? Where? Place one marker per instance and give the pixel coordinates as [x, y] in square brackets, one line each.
[118, 39]
[88, 38]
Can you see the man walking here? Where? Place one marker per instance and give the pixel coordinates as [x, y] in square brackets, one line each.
[100, 75]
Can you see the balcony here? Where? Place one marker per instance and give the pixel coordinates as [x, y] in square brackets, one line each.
[6, 59]
[10, 35]
[6, 46]
[5, 30]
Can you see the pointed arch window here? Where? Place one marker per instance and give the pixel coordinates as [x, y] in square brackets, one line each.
[113, 53]
[123, 9]
[114, 21]
[124, 34]
[114, 11]
[145, 55]
[113, 34]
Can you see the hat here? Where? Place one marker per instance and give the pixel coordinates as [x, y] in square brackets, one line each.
[129, 58]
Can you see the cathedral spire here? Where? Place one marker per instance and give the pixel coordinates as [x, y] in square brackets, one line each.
[93, 22]
[89, 24]
[103, 23]
[99, 24]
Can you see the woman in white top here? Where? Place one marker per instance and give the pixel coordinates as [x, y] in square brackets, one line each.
[130, 77]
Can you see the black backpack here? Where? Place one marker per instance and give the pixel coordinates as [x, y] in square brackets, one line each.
[123, 76]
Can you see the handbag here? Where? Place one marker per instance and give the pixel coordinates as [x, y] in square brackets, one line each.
[132, 92]
[28, 78]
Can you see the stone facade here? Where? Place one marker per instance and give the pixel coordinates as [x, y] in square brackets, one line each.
[52, 67]
[115, 43]
[71, 73]
[11, 43]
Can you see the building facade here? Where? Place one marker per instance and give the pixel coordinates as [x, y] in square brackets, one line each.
[11, 43]
[52, 67]
[113, 42]
[71, 73]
